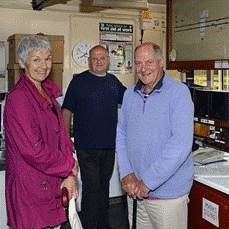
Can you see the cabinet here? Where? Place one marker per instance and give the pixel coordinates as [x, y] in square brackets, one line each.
[57, 47]
[200, 192]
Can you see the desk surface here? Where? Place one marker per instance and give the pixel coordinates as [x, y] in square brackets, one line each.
[218, 183]
[215, 175]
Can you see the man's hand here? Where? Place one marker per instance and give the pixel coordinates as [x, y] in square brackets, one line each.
[143, 190]
[70, 184]
[135, 188]
[130, 185]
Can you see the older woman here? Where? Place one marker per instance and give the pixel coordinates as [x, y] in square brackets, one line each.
[39, 152]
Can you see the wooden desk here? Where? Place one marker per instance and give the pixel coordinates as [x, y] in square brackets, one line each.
[199, 194]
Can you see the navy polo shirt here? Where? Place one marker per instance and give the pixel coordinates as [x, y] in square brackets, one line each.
[94, 100]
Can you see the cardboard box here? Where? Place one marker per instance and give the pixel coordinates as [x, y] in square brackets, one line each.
[56, 42]
[14, 72]
[56, 74]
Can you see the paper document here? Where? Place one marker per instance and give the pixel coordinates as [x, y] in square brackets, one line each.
[207, 155]
[219, 170]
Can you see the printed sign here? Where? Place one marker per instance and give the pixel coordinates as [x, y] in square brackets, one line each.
[110, 27]
[210, 212]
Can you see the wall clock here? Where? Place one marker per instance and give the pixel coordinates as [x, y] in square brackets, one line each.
[80, 52]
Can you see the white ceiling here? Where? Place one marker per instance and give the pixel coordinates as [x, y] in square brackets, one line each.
[26, 4]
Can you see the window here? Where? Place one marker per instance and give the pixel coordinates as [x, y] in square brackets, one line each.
[200, 77]
[212, 79]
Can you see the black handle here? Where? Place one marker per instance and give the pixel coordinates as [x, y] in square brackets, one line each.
[134, 217]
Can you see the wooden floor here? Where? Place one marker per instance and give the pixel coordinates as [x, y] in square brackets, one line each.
[117, 214]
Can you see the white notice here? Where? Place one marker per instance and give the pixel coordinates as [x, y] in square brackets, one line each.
[210, 212]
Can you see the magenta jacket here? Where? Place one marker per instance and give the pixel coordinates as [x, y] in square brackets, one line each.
[39, 154]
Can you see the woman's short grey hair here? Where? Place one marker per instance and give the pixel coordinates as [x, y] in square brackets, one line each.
[31, 43]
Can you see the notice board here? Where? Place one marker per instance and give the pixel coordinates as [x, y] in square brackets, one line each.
[197, 34]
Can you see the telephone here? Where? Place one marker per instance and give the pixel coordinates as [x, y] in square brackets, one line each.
[207, 155]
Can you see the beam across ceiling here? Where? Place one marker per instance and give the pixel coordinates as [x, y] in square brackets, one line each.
[41, 4]
[129, 4]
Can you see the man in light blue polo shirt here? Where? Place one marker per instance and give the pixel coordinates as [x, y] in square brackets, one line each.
[154, 142]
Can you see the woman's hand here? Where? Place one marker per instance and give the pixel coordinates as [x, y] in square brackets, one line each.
[70, 184]
[75, 169]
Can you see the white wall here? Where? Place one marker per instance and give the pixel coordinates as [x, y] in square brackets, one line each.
[90, 32]
[74, 26]
[28, 21]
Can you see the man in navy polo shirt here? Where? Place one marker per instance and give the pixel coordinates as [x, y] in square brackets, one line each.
[93, 97]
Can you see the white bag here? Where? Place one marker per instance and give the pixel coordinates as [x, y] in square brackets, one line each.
[79, 186]
[79, 189]
[74, 219]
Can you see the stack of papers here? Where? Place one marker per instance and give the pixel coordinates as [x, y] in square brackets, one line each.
[215, 173]
[207, 155]
[219, 170]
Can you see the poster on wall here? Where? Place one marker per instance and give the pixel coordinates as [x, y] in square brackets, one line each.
[118, 39]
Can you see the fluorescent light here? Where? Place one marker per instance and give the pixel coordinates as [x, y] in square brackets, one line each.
[136, 4]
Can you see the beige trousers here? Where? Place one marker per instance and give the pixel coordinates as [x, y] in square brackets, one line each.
[160, 214]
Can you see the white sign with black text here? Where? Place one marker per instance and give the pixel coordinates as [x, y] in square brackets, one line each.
[210, 212]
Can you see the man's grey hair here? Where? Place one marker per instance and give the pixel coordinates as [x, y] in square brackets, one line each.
[31, 43]
[98, 47]
[155, 47]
